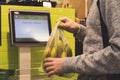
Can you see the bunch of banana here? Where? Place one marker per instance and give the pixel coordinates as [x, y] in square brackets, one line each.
[57, 45]
[58, 49]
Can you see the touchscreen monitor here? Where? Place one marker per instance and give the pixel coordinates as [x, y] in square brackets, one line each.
[29, 28]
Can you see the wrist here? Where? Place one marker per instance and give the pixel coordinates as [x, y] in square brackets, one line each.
[76, 29]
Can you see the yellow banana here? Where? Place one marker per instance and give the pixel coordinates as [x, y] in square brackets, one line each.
[47, 52]
[60, 48]
[60, 44]
[68, 50]
[63, 54]
[53, 52]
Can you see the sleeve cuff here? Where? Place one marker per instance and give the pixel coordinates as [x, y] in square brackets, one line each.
[68, 67]
[81, 33]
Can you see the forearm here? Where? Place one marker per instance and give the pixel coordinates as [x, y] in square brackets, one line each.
[106, 61]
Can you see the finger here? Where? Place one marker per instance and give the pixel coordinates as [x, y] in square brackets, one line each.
[48, 60]
[47, 64]
[51, 73]
[64, 26]
[62, 19]
[61, 25]
[49, 69]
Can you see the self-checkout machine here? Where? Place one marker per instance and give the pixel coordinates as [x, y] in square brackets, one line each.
[28, 29]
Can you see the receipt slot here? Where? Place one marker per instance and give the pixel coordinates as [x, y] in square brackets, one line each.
[28, 29]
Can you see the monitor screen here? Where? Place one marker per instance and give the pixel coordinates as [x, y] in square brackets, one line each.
[29, 28]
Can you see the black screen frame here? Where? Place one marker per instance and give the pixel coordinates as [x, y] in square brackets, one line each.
[12, 28]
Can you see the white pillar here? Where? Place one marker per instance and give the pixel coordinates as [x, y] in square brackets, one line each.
[25, 63]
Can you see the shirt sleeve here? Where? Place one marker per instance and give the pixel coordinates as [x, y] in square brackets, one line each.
[104, 61]
[81, 33]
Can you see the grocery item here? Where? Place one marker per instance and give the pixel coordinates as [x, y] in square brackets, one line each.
[58, 47]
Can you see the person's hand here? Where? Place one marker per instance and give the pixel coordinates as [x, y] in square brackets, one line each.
[53, 65]
[68, 25]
